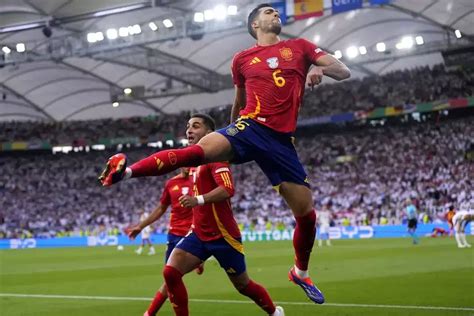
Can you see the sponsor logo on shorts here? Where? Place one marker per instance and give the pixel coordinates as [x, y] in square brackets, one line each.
[231, 131]
[230, 271]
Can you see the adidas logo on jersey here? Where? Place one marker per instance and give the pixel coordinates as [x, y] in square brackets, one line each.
[255, 60]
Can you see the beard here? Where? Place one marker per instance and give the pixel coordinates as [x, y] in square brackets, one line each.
[272, 28]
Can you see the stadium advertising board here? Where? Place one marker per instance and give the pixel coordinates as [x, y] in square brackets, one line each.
[337, 232]
[339, 6]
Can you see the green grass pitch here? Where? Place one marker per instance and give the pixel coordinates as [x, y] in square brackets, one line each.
[377, 276]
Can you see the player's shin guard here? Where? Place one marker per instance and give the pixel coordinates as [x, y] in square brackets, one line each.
[260, 296]
[156, 304]
[166, 161]
[176, 291]
[303, 239]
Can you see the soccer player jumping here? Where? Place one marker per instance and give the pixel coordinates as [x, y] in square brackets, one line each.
[269, 80]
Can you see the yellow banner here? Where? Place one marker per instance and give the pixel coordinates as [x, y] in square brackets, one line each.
[19, 145]
[308, 8]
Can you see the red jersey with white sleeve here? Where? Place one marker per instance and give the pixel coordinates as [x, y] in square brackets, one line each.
[274, 79]
[212, 221]
[181, 218]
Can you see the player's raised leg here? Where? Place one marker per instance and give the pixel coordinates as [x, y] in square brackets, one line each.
[299, 199]
[213, 147]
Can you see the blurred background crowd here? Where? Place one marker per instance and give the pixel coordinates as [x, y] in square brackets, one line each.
[422, 84]
[363, 176]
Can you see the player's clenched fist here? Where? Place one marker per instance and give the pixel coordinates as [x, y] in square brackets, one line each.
[114, 170]
[314, 76]
[188, 201]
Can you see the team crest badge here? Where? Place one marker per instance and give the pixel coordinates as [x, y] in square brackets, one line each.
[184, 190]
[272, 62]
[286, 53]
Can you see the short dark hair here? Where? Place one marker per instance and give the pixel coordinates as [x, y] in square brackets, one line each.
[208, 120]
[253, 15]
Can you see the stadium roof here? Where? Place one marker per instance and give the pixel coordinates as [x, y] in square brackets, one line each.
[58, 81]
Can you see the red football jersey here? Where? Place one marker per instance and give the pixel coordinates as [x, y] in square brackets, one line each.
[212, 221]
[181, 218]
[274, 79]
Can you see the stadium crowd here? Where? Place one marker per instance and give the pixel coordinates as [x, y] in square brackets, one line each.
[422, 84]
[398, 88]
[364, 177]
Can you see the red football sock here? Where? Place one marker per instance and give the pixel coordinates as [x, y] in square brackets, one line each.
[260, 296]
[156, 303]
[176, 291]
[303, 239]
[166, 161]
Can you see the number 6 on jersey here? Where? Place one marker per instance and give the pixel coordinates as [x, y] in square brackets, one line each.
[279, 81]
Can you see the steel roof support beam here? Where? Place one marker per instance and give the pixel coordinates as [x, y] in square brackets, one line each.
[167, 65]
[424, 17]
[28, 101]
[110, 83]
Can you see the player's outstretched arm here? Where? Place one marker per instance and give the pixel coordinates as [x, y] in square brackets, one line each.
[332, 67]
[134, 230]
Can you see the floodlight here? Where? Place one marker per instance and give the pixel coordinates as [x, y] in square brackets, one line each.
[20, 47]
[380, 47]
[153, 26]
[168, 23]
[352, 52]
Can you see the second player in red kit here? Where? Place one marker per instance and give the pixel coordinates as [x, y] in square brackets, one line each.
[214, 231]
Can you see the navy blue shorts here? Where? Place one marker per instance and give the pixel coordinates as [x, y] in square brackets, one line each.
[229, 258]
[172, 241]
[274, 152]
